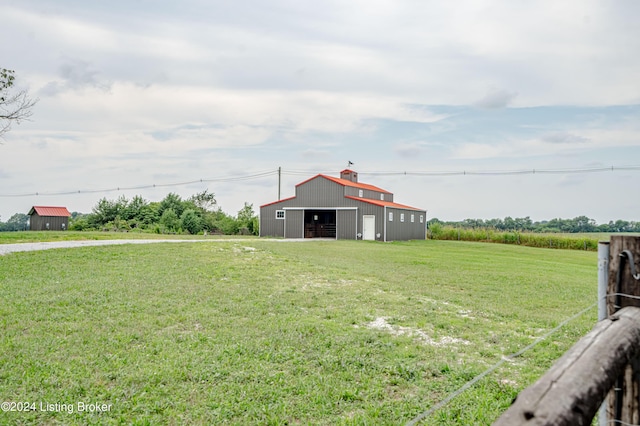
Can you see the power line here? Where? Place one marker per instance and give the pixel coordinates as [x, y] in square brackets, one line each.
[260, 175]
[162, 185]
[482, 172]
[505, 172]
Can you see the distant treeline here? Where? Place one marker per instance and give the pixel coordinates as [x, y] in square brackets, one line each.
[172, 215]
[17, 222]
[525, 224]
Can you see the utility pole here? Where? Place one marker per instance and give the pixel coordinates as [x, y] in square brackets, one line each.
[279, 181]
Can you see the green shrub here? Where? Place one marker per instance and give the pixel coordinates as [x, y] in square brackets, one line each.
[191, 221]
[170, 220]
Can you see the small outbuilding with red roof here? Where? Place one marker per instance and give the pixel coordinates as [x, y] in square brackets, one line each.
[48, 218]
[341, 208]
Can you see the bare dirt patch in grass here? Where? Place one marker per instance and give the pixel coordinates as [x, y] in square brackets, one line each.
[381, 323]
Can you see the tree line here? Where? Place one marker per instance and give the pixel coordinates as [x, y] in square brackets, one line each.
[172, 215]
[17, 222]
[575, 225]
[200, 213]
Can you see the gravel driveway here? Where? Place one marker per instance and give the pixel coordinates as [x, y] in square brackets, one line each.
[13, 248]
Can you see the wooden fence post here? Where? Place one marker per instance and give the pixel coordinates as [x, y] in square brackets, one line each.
[573, 389]
[624, 252]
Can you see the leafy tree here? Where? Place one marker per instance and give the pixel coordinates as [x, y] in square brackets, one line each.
[14, 106]
[17, 222]
[172, 201]
[20, 220]
[133, 208]
[191, 221]
[221, 222]
[584, 224]
[247, 219]
[103, 212]
[523, 223]
[473, 223]
[509, 224]
[494, 223]
[204, 200]
[169, 220]
[148, 214]
[621, 226]
[80, 222]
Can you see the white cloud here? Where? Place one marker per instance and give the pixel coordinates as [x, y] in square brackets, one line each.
[550, 144]
[496, 98]
[142, 92]
[408, 150]
[564, 138]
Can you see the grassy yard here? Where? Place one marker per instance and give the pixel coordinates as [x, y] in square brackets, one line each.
[268, 332]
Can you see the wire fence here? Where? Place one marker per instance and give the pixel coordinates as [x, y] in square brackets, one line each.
[506, 358]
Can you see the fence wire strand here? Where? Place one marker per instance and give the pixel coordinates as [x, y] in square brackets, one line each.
[508, 358]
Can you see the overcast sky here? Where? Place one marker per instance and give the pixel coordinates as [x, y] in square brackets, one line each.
[141, 92]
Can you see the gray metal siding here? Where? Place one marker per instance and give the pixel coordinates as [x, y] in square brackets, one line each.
[398, 230]
[320, 192]
[294, 225]
[39, 223]
[346, 224]
[365, 209]
[269, 225]
[366, 193]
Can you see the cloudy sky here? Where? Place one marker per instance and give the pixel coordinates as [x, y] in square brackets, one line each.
[138, 93]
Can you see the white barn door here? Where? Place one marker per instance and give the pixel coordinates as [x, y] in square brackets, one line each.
[368, 227]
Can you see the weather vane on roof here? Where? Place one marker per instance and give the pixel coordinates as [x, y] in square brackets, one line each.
[349, 164]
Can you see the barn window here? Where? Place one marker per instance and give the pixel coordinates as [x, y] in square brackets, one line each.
[279, 214]
[401, 217]
[390, 216]
[421, 219]
[360, 193]
[413, 217]
[382, 197]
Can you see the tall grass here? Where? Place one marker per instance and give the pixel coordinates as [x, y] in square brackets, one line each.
[564, 241]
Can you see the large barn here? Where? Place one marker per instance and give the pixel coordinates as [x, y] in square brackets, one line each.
[341, 208]
[48, 218]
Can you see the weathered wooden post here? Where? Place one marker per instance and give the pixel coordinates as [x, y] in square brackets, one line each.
[624, 254]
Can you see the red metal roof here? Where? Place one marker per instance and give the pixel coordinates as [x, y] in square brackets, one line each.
[50, 211]
[276, 202]
[383, 203]
[345, 182]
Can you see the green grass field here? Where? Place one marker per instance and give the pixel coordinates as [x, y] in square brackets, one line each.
[269, 332]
